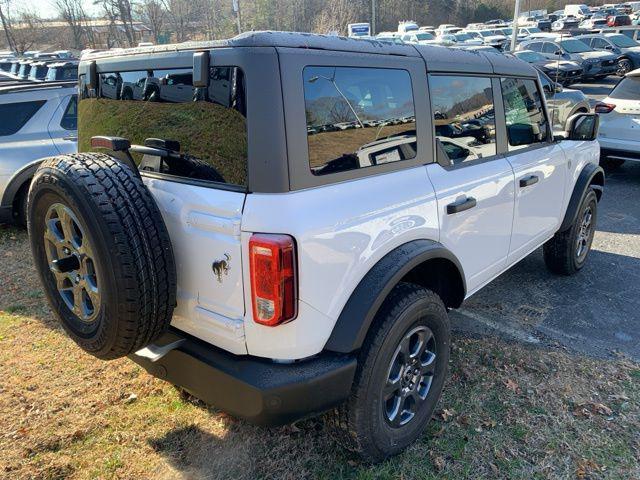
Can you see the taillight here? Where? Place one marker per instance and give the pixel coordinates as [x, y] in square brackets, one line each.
[602, 107]
[272, 266]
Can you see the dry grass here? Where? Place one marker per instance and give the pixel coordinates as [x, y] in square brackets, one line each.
[508, 412]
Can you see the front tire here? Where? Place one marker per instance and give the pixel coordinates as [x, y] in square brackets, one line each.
[624, 67]
[566, 253]
[401, 371]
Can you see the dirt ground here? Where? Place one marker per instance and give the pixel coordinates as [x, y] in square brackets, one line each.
[510, 410]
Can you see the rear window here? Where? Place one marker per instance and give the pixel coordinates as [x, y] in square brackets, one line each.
[358, 117]
[204, 130]
[16, 115]
[627, 89]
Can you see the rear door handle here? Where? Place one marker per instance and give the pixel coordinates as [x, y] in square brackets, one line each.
[70, 138]
[461, 206]
[528, 181]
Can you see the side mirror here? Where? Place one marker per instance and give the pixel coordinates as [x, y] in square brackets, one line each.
[558, 52]
[557, 87]
[582, 126]
[201, 69]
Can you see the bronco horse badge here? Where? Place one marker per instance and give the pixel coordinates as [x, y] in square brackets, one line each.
[220, 267]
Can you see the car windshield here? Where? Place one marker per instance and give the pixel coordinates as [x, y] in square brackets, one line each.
[627, 89]
[623, 41]
[574, 46]
[530, 56]
[487, 33]
[424, 36]
[507, 31]
[462, 37]
[531, 30]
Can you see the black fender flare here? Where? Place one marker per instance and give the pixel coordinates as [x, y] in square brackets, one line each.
[17, 181]
[357, 315]
[585, 179]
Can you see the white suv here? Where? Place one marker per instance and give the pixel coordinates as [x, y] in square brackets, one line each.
[276, 265]
[37, 121]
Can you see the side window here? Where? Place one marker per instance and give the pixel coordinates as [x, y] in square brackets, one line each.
[358, 117]
[524, 112]
[16, 115]
[464, 116]
[548, 47]
[70, 118]
[536, 46]
[202, 130]
[599, 43]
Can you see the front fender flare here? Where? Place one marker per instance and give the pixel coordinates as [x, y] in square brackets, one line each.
[357, 315]
[585, 179]
[19, 179]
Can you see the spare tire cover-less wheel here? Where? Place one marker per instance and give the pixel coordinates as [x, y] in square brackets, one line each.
[103, 253]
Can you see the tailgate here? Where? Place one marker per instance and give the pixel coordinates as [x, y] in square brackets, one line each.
[623, 123]
[204, 226]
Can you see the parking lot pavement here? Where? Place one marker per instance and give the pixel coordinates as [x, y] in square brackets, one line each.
[597, 311]
[596, 90]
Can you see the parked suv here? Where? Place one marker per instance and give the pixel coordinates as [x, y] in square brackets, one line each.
[38, 121]
[276, 267]
[595, 64]
[627, 49]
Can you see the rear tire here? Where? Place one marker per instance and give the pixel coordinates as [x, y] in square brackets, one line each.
[102, 252]
[566, 253]
[401, 371]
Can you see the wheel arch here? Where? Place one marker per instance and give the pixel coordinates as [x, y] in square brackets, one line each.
[18, 181]
[424, 262]
[590, 176]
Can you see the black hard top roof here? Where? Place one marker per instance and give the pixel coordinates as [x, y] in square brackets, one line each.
[437, 58]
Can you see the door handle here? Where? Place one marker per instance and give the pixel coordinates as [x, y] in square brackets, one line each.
[461, 206]
[528, 181]
[70, 138]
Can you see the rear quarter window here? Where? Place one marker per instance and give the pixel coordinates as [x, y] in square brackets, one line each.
[16, 115]
[206, 128]
[358, 117]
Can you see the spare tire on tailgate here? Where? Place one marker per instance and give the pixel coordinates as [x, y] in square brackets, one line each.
[103, 253]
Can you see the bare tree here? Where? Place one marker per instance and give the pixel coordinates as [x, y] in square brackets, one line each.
[153, 15]
[72, 12]
[180, 13]
[5, 18]
[119, 14]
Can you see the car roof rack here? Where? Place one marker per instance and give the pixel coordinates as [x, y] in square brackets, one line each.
[27, 87]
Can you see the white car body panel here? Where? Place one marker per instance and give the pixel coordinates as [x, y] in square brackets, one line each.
[620, 128]
[360, 222]
[538, 207]
[204, 226]
[478, 237]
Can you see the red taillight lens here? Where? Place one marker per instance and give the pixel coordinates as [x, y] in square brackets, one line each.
[603, 107]
[273, 278]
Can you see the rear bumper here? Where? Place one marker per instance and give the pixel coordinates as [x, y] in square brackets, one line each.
[257, 390]
[622, 149]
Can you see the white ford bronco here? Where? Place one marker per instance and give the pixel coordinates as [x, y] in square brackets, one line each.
[281, 224]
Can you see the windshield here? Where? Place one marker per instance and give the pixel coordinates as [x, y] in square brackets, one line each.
[574, 46]
[424, 36]
[487, 33]
[530, 56]
[531, 30]
[507, 31]
[627, 89]
[623, 41]
[462, 37]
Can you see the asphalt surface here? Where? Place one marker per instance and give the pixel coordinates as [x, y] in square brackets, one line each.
[595, 312]
[596, 90]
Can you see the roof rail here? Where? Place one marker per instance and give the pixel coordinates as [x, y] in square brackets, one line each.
[37, 86]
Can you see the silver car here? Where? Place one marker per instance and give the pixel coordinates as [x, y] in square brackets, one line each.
[595, 64]
[38, 120]
[562, 102]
